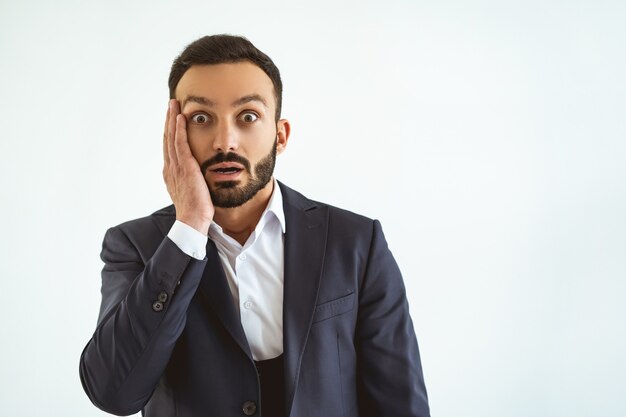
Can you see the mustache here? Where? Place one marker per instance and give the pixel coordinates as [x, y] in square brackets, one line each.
[224, 157]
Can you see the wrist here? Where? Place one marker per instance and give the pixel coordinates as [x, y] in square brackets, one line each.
[201, 225]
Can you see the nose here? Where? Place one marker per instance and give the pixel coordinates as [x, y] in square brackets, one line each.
[226, 139]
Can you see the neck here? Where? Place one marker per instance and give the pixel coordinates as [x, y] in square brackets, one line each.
[240, 222]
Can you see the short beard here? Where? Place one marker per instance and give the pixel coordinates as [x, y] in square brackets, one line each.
[228, 194]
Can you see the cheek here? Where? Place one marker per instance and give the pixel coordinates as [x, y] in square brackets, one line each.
[259, 137]
[260, 149]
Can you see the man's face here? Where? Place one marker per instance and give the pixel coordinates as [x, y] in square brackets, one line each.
[231, 128]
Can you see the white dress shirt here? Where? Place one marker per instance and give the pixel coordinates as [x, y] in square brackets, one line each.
[255, 273]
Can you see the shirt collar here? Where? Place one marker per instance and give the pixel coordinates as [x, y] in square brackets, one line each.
[275, 206]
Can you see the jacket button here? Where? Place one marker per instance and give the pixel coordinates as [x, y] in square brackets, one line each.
[249, 408]
[162, 297]
[157, 306]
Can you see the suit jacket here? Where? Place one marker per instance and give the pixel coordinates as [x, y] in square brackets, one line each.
[169, 340]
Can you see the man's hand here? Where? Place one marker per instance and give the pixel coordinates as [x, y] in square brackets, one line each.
[181, 172]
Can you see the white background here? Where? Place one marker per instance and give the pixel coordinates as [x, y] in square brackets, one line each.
[489, 137]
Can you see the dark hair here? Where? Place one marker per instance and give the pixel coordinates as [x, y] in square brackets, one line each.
[220, 49]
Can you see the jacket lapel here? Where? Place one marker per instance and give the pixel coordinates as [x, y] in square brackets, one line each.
[305, 245]
[214, 286]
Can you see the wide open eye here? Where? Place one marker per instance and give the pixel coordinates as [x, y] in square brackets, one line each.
[248, 117]
[200, 118]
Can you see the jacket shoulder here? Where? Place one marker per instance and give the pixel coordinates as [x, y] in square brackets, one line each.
[340, 219]
[160, 220]
[341, 215]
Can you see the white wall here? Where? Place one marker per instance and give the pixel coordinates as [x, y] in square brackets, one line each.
[489, 137]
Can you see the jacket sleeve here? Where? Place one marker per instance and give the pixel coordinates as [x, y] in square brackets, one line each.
[143, 312]
[390, 382]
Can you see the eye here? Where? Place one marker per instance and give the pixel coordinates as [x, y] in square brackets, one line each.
[200, 118]
[249, 117]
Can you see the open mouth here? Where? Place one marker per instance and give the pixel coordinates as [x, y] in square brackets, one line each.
[230, 170]
[227, 168]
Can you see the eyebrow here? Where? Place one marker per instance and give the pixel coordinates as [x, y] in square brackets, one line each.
[243, 100]
[197, 99]
[249, 98]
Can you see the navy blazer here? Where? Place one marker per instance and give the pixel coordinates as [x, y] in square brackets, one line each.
[169, 340]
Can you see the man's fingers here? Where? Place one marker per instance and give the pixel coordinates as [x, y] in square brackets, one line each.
[166, 156]
[183, 152]
[171, 131]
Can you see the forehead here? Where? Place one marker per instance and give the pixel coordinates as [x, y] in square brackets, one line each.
[224, 83]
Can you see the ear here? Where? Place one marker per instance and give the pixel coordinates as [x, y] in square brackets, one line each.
[282, 135]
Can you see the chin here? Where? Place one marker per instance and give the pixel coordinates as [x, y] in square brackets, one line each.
[230, 194]
[225, 185]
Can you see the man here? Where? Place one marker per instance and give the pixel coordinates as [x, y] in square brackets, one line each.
[244, 297]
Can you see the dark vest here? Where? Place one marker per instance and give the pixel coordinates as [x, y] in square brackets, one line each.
[272, 387]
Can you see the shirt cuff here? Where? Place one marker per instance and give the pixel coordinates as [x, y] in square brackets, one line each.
[188, 239]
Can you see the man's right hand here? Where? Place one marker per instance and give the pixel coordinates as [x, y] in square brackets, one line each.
[181, 172]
